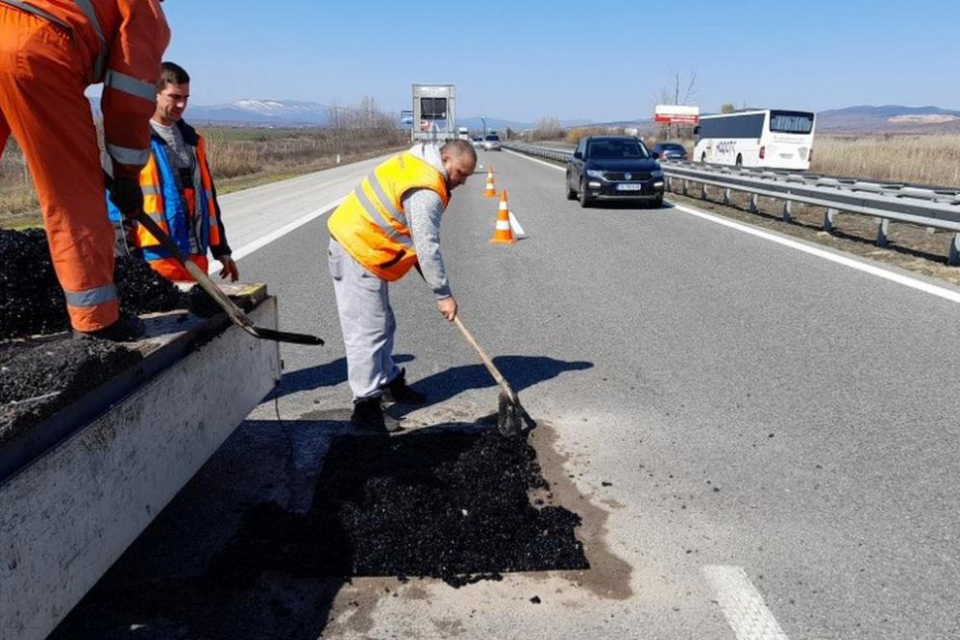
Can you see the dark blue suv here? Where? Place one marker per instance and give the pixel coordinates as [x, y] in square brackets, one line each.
[614, 168]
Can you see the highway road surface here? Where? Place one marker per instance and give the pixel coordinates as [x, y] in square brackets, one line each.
[762, 438]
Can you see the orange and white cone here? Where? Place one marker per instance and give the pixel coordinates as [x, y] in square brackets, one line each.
[503, 234]
[490, 191]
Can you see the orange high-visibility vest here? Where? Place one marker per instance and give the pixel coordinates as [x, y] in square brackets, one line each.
[175, 209]
[371, 224]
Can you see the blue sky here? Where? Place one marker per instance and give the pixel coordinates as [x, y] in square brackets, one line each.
[599, 60]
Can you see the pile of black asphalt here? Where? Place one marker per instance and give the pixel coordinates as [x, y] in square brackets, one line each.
[39, 377]
[32, 301]
[453, 505]
[37, 380]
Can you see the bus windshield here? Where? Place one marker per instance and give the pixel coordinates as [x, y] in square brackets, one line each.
[791, 122]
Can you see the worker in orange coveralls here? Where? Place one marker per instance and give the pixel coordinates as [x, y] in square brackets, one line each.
[50, 52]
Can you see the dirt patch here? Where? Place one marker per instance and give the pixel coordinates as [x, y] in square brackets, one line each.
[32, 302]
[609, 576]
[38, 380]
[449, 505]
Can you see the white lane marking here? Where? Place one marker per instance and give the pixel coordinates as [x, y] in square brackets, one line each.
[247, 249]
[742, 604]
[537, 160]
[907, 281]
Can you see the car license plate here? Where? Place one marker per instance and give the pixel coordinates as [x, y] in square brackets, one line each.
[629, 187]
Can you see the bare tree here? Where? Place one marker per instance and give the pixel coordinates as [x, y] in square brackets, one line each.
[680, 91]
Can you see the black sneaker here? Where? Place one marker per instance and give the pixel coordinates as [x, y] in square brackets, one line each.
[397, 391]
[126, 329]
[368, 415]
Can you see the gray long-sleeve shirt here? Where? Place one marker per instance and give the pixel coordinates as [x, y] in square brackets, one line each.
[424, 208]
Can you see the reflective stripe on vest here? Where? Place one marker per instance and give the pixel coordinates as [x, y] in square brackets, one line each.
[91, 297]
[371, 225]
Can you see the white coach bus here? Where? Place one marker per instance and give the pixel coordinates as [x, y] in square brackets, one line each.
[757, 138]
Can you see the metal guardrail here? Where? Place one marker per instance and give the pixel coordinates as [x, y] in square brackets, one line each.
[932, 207]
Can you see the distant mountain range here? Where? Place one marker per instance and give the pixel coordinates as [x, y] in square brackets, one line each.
[862, 119]
[889, 119]
[263, 112]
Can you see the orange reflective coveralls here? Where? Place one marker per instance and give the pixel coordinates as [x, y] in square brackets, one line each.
[50, 51]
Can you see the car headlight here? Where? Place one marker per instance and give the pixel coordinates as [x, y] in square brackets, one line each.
[657, 173]
[594, 173]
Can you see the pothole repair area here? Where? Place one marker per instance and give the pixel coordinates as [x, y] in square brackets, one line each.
[455, 502]
[455, 505]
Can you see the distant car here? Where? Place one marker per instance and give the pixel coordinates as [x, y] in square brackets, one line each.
[614, 168]
[491, 143]
[477, 141]
[669, 151]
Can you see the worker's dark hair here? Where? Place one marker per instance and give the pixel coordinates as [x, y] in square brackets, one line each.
[459, 148]
[171, 73]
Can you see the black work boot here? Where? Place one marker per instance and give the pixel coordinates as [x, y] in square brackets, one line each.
[126, 329]
[397, 391]
[368, 415]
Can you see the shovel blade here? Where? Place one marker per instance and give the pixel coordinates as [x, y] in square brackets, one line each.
[285, 336]
[509, 416]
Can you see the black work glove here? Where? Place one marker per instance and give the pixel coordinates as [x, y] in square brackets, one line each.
[127, 196]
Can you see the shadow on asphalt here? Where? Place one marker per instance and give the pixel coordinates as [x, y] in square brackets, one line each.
[329, 374]
[238, 554]
[625, 205]
[521, 372]
[162, 587]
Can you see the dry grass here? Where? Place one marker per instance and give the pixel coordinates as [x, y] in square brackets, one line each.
[921, 159]
[18, 202]
[239, 158]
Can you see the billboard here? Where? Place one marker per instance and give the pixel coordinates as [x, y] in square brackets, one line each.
[677, 114]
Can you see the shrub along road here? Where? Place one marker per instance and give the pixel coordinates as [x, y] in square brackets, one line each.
[754, 436]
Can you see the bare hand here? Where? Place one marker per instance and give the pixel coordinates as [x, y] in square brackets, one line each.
[229, 268]
[448, 308]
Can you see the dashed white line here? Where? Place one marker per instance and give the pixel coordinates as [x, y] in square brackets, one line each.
[920, 285]
[742, 604]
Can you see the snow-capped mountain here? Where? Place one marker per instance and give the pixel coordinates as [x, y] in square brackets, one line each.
[262, 112]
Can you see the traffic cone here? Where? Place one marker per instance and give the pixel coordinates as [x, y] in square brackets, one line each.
[503, 234]
[490, 191]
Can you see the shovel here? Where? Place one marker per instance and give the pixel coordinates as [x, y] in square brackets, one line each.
[235, 313]
[510, 413]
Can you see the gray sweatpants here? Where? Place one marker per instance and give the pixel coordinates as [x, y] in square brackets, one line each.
[367, 322]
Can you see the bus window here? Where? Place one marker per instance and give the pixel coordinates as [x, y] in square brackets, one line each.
[791, 122]
[749, 125]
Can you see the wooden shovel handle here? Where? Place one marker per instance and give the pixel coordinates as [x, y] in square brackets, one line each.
[492, 368]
